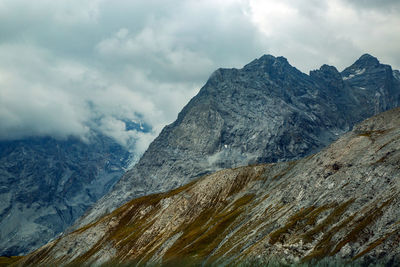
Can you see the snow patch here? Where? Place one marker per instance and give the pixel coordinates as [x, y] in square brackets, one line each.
[348, 77]
[396, 74]
[356, 72]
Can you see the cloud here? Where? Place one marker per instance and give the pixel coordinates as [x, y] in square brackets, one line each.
[385, 5]
[32, 100]
[71, 67]
[336, 32]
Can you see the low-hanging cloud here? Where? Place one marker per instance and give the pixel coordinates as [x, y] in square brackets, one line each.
[71, 67]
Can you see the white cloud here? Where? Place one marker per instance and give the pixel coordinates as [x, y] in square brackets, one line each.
[68, 66]
[33, 99]
[336, 32]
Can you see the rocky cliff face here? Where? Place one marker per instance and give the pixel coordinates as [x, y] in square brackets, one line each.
[268, 111]
[340, 205]
[46, 184]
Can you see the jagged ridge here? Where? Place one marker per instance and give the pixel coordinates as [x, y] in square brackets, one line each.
[268, 111]
[341, 204]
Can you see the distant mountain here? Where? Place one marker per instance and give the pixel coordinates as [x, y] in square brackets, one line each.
[46, 184]
[339, 206]
[268, 111]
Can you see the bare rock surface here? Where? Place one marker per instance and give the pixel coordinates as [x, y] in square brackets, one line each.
[268, 111]
[46, 184]
[341, 205]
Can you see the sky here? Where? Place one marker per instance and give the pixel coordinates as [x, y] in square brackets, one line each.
[69, 67]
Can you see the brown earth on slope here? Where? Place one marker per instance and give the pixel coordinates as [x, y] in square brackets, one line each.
[341, 204]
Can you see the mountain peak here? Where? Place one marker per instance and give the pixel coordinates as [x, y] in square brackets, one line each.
[367, 60]
[268, 60]
[328, 69]
[365, 63]
[266, 57]
[277, 67]
[338, 206]
[267, 111]
[328, 77]
[366, 71]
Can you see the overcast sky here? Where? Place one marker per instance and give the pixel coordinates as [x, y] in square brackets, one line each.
[66, 64]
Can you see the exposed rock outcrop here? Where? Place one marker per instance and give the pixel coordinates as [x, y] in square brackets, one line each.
[341, 205]
[46, 184]
[268, 111]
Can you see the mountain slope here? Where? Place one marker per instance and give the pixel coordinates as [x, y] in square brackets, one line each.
[46, 184]
[268, 111]
[341, 205]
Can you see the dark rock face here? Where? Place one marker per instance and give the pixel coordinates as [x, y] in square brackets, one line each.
[46, 184]
[268, 111]
[375, 82]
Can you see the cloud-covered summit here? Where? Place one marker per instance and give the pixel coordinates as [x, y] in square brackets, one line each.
[70, 66]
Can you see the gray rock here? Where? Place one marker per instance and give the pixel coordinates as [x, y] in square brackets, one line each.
[46, 184]
[339, 207]
[268, 111]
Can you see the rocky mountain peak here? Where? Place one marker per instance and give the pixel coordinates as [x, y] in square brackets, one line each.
[338, 207]
[268, 111]
[328, 70]
[367, 60]
[270, 59]
[263, 60]
[325, 73]
[366, 63]
[329, 79]
[273, 66]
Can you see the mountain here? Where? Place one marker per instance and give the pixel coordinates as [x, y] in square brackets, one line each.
[341, 205]
[268, 111]
[46, 184]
